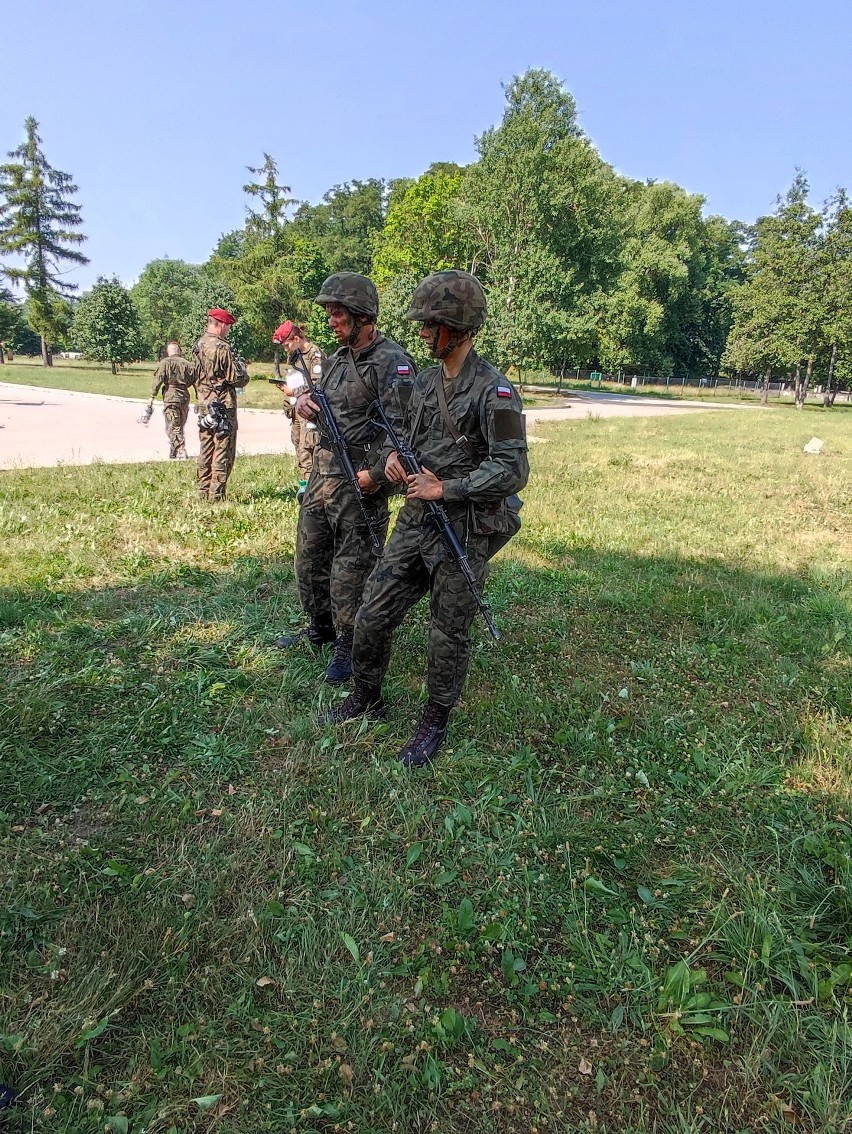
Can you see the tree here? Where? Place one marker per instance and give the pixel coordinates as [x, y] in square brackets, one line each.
[163, 296]
[779, 310]
[106, 325]
[836, 290]
[668, 310]
[345, 226]
[540, 209]
[38, 220]
[424, 230]
[272, 196]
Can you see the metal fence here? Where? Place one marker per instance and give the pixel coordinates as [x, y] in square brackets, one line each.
[672, 385]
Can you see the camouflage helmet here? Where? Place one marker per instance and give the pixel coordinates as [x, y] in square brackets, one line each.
[353, 291]
[453, 298]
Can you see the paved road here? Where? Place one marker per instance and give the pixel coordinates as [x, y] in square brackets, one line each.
[40, 428]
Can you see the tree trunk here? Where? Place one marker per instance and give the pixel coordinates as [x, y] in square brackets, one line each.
[46, 356]
[112, 364]
[764, 390]
[276, 362]
[828, 397]
[2, 355]
[802, 385]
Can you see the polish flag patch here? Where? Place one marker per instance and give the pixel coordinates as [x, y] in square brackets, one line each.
[403, 370]
[504, 391]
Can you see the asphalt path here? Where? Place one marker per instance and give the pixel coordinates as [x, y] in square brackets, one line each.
[41, 428]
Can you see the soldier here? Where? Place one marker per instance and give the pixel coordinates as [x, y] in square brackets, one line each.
[176, 376]
[333, 547]
[465, 422]
[219, 374]
[303, 433]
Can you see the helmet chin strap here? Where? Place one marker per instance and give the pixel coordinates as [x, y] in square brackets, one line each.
[358, 322]
[451, 339]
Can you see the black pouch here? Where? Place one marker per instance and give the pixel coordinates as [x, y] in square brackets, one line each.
[497, 522]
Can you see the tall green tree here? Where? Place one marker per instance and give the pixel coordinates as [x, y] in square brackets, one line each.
[668, 310]
[836, 293]
[39, 223]
[163, 295]
[780, 309]
[272, 197]
[345, 226]
[424, 230]
[106, 325]
[540, 207]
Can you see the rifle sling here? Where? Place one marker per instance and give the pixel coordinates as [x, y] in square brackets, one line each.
[456, 434]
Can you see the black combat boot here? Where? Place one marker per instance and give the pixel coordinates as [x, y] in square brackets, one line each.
[318, 633]
[363, 701]
[430, 735]
[340, 669]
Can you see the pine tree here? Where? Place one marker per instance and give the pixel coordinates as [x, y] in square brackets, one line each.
[37, 223]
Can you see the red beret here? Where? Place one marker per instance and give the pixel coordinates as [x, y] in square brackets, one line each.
[222, 315]
[283, 332]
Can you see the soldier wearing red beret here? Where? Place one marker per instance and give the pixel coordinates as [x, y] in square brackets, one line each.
[219, 374]
[303, 433]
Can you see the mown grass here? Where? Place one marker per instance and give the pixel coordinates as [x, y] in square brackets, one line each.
[619, 902]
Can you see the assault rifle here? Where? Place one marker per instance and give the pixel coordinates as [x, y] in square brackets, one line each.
[437, 514]
[329, 426]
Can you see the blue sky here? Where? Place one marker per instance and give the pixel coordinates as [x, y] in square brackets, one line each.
[157, 108]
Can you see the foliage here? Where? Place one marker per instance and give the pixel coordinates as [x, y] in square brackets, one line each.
[424, 231]
[540, 208]
[345, 226]
[622, 890]
[667, 310]
[38, 222]
[106, 325]
[273, 199]
[213, 293]
[163, 296]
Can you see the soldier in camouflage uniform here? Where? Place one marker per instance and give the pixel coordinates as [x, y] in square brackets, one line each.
[176, 376]
[303, 433]
[333, 546]
[472, 468]
[219, 374]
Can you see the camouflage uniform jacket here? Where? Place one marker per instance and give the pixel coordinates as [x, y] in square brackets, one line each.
[219, 373]
[487, 411]
[313, 357]
[175, 375]
[388, 373]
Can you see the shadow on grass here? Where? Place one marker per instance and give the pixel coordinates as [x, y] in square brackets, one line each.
[634, 851]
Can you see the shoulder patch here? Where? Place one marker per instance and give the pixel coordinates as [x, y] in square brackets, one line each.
[504, 391]
[508, 424]
[404, 369]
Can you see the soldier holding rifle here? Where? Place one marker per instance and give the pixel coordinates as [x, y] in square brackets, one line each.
[465, 423]
[303, 433]
[334, 543]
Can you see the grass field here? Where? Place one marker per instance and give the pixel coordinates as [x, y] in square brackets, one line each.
[619, 902]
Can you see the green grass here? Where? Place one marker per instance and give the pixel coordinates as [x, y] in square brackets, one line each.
[619, 902]
[133, 381]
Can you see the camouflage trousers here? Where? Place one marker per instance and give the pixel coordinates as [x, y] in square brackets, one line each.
[416, 563]
[175, 415]
[304, 442]
[215, 460]
[333, 550]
